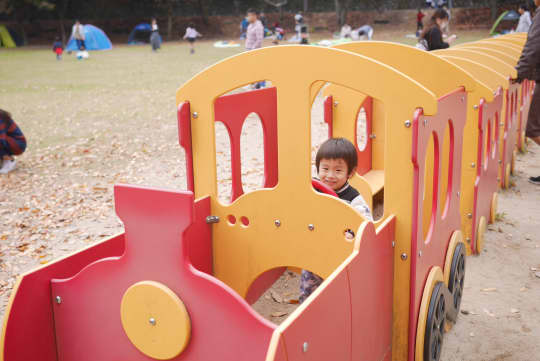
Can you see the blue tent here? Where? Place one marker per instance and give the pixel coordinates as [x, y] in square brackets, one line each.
[95, 39]
[140, 34]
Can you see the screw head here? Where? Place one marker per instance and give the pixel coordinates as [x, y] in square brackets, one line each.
[195, 115]
[458, 193]
[58, 299]
[152, 321]
[468, 240]
[407, 124]
[403, 256]
[420, 254]
[311, 227]
[473, 165]
[305, 347]
[277, 222]
[475, 107]
[425, 122]
[336, 103]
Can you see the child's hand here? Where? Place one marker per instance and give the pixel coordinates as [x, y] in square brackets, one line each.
[452, 38]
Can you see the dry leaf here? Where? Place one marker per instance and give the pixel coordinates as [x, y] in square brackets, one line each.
[514, 310]
[488, 312]
[491, 289]
[276, 297]
[278, 314]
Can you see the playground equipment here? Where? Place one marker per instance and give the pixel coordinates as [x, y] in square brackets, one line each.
[178, 283]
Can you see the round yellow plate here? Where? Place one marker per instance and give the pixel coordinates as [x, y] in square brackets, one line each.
[155, 320]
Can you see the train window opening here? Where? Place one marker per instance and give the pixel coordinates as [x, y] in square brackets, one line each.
[319, 128]
[281, 297]
[223, 163]
[252, 153]
[446, 168]
[430, 191]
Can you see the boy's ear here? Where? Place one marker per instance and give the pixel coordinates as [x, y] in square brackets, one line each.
[351, 173]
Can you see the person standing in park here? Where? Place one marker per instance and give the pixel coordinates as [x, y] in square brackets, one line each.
[524, 19]
[155, 39]
[529, 68]
[254, 37]
[12, 142]
[432, 34]
[78, 34]
[191, 35]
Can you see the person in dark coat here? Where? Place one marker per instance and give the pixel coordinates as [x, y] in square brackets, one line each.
[433, 33]
[12, 142]
[529, 68]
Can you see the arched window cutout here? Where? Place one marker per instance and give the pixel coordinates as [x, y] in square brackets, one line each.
[361, 130]
[252, 153]
[446, 170]
[319, 128]
[430, 192]
[486, 143]
[223, 163]
[280, 299]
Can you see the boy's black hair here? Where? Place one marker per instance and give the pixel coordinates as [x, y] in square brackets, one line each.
[252, 11]
[191, 25]
[338, 148]
[524, 7]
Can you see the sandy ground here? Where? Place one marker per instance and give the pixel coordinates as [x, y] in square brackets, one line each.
[111, 120]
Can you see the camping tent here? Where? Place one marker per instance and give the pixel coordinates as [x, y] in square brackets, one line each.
[95, 39]
[140, 34]
[6, 41]
[505, 22]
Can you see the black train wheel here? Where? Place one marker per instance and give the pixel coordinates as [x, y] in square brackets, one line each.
[436, 317]
[457, 275]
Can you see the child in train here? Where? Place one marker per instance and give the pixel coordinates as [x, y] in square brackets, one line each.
[336, 162]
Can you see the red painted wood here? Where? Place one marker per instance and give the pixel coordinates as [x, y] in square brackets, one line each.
[365, 156]
[184, 136]
[371, 275]
[323, 188]
[199, 238]
[30, 325]
[87, 322]
[328, 334]
[486, 167]
[446, 218]
[510, 128]
[232, 111]
[329, 114]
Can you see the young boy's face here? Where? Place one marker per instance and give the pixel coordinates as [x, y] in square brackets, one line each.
[334, 173]
[251, 17]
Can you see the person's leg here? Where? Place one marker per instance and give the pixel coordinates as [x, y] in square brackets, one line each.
[533, 124]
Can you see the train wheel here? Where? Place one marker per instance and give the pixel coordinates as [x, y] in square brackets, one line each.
[435, 277]
[457, 275]
[482, 226]
[433, 339]
[494, 204]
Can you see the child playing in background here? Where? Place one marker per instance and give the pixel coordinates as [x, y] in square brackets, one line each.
[58, 48]
[12, 142]
[191, 35]
[336, 162]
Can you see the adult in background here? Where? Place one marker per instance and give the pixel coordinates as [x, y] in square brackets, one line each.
[254, 36]
[529, 68]
[155, 39]
[432, 34]
[77, 32]
[12, 142]
[243, 28]
[524, 19]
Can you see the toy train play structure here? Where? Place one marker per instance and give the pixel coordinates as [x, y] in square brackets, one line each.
[443, 127]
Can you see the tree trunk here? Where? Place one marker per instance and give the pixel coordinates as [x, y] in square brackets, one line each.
[306, 6]
[169, 20]
[494, 9]
[61, 20]
[202, 12]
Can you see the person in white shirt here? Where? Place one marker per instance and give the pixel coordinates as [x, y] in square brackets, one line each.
[77, 33]
[191, 35]
[524, 20]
